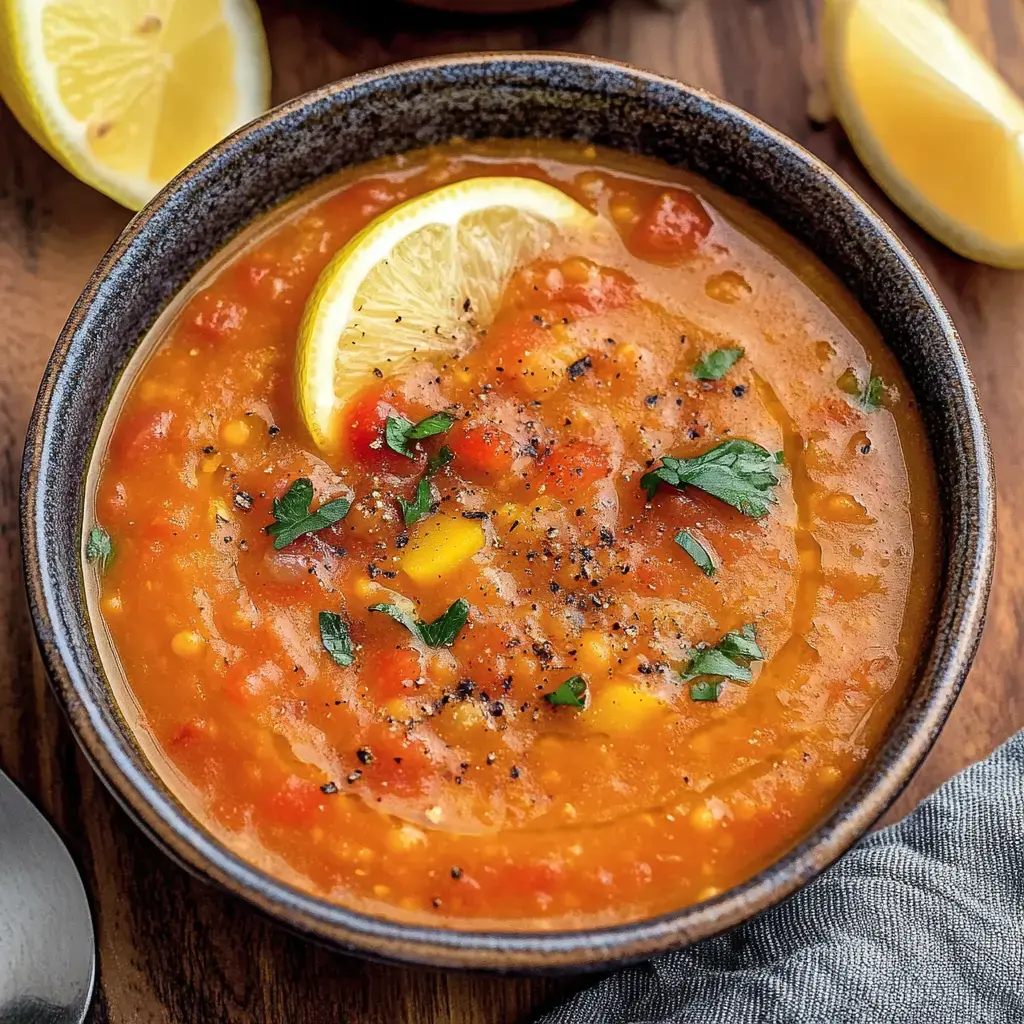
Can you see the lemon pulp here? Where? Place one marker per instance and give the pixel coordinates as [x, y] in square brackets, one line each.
[417, 281]
[935, 125]
[125, 93]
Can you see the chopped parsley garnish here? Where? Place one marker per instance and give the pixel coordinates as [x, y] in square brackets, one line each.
[420, 505]
[696, 551]
[439, 633]
[398, 431]
[730, 658]
[294, 518]
[572, 693]
[869, 396]
[715, 365]
[99, 547]
[706, 689]
[737, 472]
[335, 637]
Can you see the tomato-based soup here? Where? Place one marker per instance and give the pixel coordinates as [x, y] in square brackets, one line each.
[608, 642]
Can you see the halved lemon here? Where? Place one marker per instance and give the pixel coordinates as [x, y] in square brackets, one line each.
[415, 282]
[125, 93]
[934, 124]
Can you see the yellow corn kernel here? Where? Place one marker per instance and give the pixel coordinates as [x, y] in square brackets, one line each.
[466, 715]
[112, 604]
[235, 432]
[440, 546]
[396, 708]
[727, 287]
[577, 269]
[210, 464]
[187, 643]
[220, 510]
[620, 708]
[838, 507]
[702, 818]
[624, 209]
[594, 653]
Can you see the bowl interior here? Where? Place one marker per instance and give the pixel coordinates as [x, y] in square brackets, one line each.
[410, 106]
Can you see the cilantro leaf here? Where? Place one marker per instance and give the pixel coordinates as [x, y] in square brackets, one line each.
[398, 431]
[869, 396]
[696, 551]
[730, 658]
[335, 637]
[737, 472]
[715, 365]
[742, 643]
[438, 423]
[706, 689]
[99, 548]
[572, 693]
[444, 629]
[439, 633]
[420, 505]
[396, 436]
[294, 518]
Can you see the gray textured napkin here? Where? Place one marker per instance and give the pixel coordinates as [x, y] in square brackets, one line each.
[922, 922]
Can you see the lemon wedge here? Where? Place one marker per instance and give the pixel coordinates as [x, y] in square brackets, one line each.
[934, 124]
[414, 282]
[125, 93]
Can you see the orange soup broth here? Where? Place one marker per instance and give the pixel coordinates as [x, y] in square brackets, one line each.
[439, 785]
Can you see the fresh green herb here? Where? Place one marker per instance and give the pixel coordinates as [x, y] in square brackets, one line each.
[419, 508]
[706, 689]
[730, 658]
[737, 472]
[715, 365]
[398, 431]
[294, 518]
[335, 637]
[872, 395]
[439, 633]
[869, 396]
[696, 551]
[99, 548]
[573, 693]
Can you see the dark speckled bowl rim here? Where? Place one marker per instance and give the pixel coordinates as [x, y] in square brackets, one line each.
[166, 822]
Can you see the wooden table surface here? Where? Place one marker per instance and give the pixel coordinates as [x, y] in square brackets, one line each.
[173, 950]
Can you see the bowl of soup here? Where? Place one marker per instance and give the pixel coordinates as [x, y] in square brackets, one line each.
[515, 512]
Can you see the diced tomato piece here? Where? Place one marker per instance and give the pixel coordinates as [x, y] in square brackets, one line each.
[391, 672]
[192, 731]
[548, 286]
[672, 228]
[216, 317]
[143, 434]
[571, 467]
[296, 803]
[483, 452]
[363, 422]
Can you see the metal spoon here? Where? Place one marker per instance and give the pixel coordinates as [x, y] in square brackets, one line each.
[47, 946]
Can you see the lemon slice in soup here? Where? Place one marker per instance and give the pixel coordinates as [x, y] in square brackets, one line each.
[417, 281]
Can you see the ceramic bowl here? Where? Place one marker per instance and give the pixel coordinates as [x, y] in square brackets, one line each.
[475, 97]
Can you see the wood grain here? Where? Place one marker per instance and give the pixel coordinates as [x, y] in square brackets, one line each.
[174, 951]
